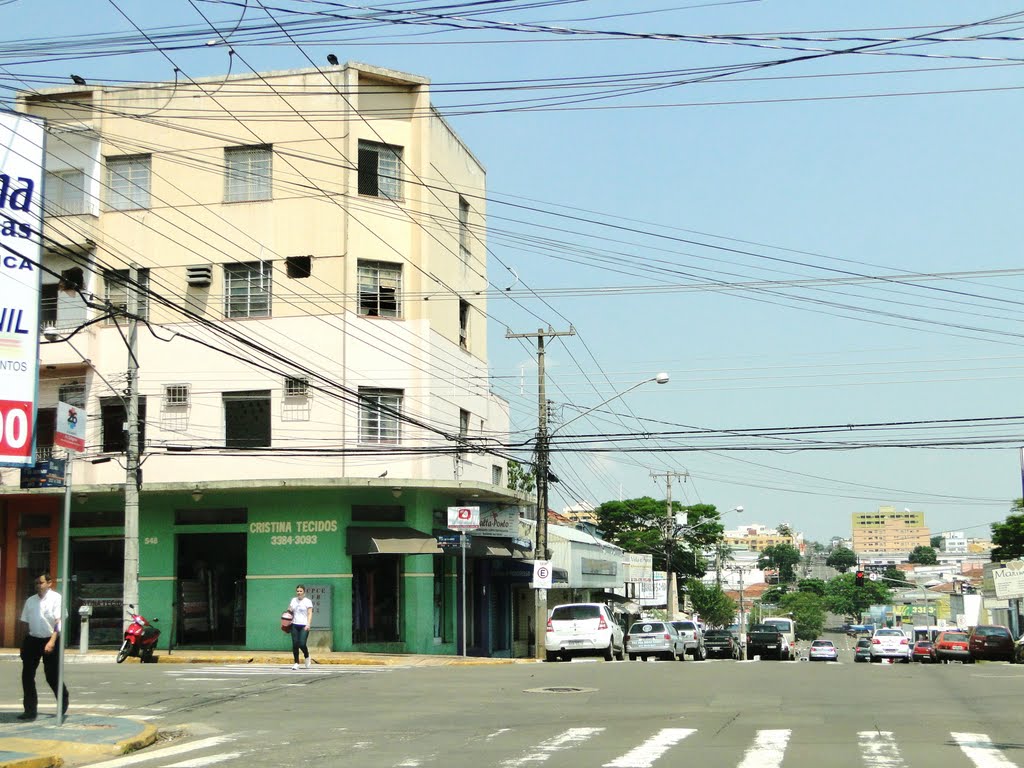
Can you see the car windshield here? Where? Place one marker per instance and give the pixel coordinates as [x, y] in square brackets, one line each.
[924, 644]
[681, 625]
[888, 633]
[863, 643]
[575, 612]
[992, 631]
[822, 644]
[781, 624]
[643, 627]
[954, 637]
[712, 633]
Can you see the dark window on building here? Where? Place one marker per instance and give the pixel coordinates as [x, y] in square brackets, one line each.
[376, 598]
[376, 513]
[48, 305]
[247, 419]
[464, 252]
[463, 323]
[72, 393]
[113, 418]
[72, 279]
[46, 420]
[299, 267]
[380, 170]
[97, 518]
[380, 289]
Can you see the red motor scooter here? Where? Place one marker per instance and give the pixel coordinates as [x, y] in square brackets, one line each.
[139, 639]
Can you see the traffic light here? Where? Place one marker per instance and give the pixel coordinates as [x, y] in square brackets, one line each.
[860, 578]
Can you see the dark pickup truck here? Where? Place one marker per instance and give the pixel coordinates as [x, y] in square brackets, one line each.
[768, 642]
[721, 642]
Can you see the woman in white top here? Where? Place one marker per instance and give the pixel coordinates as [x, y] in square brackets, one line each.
[302, 616]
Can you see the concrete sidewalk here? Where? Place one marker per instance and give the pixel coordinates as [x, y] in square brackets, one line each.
[87, 738]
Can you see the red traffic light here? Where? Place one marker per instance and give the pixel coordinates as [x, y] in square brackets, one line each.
[860, 578]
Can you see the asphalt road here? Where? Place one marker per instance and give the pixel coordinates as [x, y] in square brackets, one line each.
[584, 713]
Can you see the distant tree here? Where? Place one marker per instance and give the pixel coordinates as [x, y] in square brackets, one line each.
[1008, 536]
[774, 595]
[923, 555]
[785, 530]
[808, 611]
[814, 586]
[936, 542]
[842, 559]
[521, 477]
[895, 578]
[783, 558]
[715, 607]
[843, 596]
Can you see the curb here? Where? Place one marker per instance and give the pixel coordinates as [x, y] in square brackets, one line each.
[51, 753]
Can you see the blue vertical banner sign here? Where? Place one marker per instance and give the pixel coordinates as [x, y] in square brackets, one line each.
[21, 215]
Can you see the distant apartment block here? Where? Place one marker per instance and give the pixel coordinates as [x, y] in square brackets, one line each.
[954, 542]
[889, 531]
[756, 537]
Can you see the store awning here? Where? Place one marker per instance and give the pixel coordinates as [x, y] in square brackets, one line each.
[494, 546]
[390, 541]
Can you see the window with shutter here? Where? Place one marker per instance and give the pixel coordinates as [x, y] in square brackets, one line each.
[128, 180]
[247, 173]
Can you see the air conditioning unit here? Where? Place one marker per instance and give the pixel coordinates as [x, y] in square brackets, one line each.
[199, 276]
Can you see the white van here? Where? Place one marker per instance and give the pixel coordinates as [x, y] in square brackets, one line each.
[787, 627]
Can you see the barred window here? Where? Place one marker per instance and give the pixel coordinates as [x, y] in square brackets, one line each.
[247, 173]
[380, 289]
[296, 386]
[72, 393]
[380, 170]
[116, 285]
[65, 193]
[247, 289]
[176, 395]
[128, 180]
[379, 413]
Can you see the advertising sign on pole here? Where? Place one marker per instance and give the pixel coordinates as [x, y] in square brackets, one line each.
[21, 190]
[70, 430]
[1009, 580]
[463, 518]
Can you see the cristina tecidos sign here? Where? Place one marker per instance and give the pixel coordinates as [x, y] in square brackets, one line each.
[21, 190]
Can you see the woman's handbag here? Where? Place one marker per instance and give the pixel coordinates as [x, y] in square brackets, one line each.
[286, 621]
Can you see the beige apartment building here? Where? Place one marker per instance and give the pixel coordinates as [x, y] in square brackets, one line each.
[888, 531]
[304, 252]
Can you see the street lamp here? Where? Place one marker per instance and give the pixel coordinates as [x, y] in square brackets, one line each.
[540, 551]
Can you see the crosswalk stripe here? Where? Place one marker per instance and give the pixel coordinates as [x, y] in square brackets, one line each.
[879, 749]
[644, 755]
[546, 749]
[768, 750]
[158, 754]
[981, 751]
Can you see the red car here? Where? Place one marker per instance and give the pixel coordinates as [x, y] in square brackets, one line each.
[991, 643]
[923, 651]
[953, 646]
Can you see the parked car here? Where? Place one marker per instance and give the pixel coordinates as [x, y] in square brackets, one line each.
[1018, 650]
[823, 650]
[923, 651]
[578, 629]
[862, 653]
[693, 638]
[991, 643]
[649, 637]
[890, 643]
[952, 645]
[721, 642]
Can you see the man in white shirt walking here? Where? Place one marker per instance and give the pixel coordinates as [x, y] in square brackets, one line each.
[43, 612]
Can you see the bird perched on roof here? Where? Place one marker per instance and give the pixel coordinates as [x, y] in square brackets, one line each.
[78, 80]
[332, 59]
[383, 474]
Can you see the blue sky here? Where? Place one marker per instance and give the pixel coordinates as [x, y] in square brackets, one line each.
[675, 207]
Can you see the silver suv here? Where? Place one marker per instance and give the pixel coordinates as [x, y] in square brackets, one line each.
[693, 638]
[577, 629]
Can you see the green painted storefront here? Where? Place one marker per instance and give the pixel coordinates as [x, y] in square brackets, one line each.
[218, 566]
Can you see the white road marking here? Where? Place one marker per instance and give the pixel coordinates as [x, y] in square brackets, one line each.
[158, 754]
[201, 762]
[981, 751]
[879, 749]
[647, 753]
[546, 749]
[768, 750]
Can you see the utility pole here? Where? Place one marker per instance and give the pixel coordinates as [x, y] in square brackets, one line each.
[540, 550]
[131, 481]
[671, 592]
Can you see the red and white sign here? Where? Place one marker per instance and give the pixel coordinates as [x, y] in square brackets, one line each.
[463, 518]
[70, 430]
[21, 198]
[541, 574]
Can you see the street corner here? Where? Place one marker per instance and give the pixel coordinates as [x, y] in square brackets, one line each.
[42, 743]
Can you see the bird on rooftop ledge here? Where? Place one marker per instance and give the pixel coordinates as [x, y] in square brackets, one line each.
[78, 80]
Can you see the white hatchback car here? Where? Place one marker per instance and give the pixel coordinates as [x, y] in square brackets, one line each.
[578, 629]
[890, 644]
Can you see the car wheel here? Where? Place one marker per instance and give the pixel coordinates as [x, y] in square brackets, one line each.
[550, 656]
[609, 652]
[622, 653]
[703, 655]
[632, 657]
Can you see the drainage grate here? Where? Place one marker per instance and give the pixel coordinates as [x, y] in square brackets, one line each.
[560, 689]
